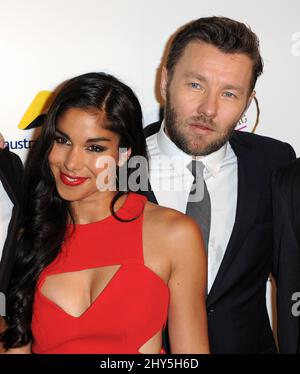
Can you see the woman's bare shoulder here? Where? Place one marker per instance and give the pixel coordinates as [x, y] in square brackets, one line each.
[175, 235]
[162, 214]
[170, 223]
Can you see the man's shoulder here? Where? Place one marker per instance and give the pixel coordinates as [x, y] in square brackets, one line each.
[288, 175]
[10, 160]
[152, 129]
[293, 167]
[15, 158]
[257, 140]
[6, 153]
[264, 145]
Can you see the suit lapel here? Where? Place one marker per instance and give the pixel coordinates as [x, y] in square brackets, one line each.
[247, 199]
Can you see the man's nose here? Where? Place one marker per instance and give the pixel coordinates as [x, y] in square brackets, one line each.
[209, 105]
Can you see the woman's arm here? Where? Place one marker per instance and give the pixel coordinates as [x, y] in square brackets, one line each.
[187, 320]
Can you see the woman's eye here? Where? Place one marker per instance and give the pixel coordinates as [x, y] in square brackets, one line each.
[96, 148]
[61, 140]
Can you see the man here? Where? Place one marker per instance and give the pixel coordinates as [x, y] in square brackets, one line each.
[11, 173]
[286, 208]
[207, 84]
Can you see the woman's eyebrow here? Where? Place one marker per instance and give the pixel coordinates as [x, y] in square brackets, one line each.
[100, 139]
[92, 140]
[62, 133]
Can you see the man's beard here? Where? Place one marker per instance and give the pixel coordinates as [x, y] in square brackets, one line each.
[193, 146]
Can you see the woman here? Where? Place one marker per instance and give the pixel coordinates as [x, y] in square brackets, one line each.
[100, 270]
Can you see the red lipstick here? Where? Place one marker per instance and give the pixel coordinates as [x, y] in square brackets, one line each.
[71, 181]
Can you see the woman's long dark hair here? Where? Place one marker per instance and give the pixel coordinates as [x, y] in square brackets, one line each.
[45, 213]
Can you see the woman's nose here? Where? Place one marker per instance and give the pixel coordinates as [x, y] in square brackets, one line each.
[74, 159]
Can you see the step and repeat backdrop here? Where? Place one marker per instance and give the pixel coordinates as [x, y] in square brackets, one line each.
[44, 42]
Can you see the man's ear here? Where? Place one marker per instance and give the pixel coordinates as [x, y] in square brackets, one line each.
[253, 93]
[123, 157]
[164, 83]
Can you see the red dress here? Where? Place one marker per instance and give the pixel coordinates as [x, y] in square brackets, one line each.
[129, 311]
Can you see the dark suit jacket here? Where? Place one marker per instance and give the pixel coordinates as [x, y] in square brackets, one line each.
[11, 174]
[237, 315]
[286, 208]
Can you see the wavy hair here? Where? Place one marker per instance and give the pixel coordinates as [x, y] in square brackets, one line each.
[46, 214]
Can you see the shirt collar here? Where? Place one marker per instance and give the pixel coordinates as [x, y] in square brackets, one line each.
[212, 162]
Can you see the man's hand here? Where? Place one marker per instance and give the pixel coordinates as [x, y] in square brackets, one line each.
[2, 143]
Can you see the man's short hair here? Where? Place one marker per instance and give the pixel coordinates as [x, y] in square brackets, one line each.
[228, 35]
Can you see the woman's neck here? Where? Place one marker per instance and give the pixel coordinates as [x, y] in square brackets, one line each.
[95, 208]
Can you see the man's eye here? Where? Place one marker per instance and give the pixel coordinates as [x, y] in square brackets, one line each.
[61, 140]
[195, 85]
[229, 94]
[96, 148]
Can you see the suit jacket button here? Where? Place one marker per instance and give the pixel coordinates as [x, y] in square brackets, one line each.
[211, 311]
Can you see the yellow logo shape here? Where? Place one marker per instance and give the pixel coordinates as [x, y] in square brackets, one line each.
[35, 109]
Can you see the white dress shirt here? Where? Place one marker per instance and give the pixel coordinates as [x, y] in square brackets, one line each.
[171, 182]
[6, 207]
